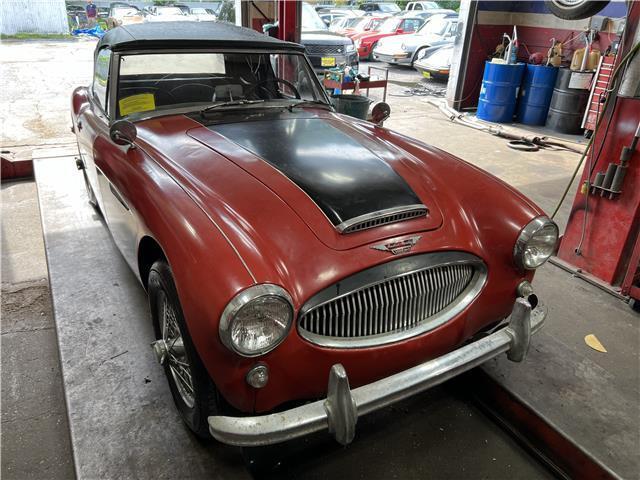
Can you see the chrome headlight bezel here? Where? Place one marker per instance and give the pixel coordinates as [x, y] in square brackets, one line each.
[241, 300]
[533, 229]
[350, 48]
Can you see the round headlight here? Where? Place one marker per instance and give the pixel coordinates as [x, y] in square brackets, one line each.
[350, 48]
[536, 243]
[256, 320]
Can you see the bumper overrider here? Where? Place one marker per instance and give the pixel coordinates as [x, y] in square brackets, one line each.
[339, 412]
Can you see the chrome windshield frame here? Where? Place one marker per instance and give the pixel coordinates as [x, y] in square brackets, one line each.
[114, 73]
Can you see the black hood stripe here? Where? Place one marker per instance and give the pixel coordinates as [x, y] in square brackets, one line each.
[345, 179]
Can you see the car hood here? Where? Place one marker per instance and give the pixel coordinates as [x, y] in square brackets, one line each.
[322, 37]
[328, 171]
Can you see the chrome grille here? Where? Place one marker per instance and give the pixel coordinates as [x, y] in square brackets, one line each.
[394, 308]
[325, 49]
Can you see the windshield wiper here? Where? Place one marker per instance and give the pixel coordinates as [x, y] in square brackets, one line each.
[230, 103]
[314, 103]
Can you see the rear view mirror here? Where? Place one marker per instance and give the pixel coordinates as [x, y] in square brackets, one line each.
[123, 132]
[380, 112]
[400, 30]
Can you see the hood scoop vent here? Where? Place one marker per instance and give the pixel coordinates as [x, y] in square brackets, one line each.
[382, 217]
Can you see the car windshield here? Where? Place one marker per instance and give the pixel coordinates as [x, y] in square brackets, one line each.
[169, 11]
[375, 23]
[362, 24]
[198, 11]
[390, 25]
[168, 81]
[434, 26]
[311, 20]
[388, 7]
[124, 12]
[352, 22]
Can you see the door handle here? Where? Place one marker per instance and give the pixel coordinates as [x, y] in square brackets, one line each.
[79, 125]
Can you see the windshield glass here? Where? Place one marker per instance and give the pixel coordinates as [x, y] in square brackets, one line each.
[434, 26]
[375, 23]
[390, 25]
[388, 7]
[169, 11]
[165, 81]
[352, 22]
[310, 19]
[124, 12]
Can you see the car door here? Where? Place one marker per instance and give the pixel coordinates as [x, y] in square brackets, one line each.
[110, 165]
[91, 119]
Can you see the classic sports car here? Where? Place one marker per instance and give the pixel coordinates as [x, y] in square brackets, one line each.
[293, 255]
[435, 61]
[393, 26]
[406, 49]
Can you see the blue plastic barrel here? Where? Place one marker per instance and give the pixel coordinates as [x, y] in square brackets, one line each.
[535, 94]
[499, 92]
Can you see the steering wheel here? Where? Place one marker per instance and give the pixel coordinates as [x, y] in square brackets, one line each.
[261, 84]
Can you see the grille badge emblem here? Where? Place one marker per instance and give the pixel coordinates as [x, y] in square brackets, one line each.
[396, 248]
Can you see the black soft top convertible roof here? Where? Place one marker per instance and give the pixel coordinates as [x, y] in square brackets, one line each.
[166, 35]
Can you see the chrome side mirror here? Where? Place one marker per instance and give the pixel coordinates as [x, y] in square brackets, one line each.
[380, 112]
[123, 132]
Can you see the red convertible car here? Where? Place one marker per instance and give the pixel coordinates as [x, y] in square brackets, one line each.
[295, 259]
[367, 41]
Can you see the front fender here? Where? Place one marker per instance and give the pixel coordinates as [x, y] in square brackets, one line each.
[206, 269]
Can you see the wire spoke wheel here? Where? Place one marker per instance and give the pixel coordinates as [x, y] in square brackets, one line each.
[177, 360]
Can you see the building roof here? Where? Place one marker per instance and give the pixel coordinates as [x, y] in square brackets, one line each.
[189, 35]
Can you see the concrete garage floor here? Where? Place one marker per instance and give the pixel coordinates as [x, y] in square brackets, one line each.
[35, 439]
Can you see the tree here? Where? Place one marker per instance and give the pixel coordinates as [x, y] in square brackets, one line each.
[450, 4]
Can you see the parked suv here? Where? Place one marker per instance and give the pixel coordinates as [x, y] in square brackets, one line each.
[325, 49]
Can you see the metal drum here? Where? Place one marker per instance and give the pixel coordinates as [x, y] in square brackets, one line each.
[535, 94]
[353, 105]
[568, 104]
[499, 92]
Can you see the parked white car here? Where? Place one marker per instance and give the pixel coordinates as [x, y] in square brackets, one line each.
[405, 49]
[420, 6]
[167, 14]
[202, 14]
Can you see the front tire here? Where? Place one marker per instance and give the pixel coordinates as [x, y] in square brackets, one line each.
[575, 10]
[193, 392]
[416, 55]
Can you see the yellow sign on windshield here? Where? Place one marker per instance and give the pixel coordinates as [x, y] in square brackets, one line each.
[137, 103]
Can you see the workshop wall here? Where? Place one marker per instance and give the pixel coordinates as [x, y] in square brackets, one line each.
[33, 16]
[536, 26]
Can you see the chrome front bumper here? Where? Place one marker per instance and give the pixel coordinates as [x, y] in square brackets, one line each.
[339, 412]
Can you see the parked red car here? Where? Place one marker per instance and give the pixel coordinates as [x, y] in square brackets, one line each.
[291, 254]
[365, 25]
[366, 42]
